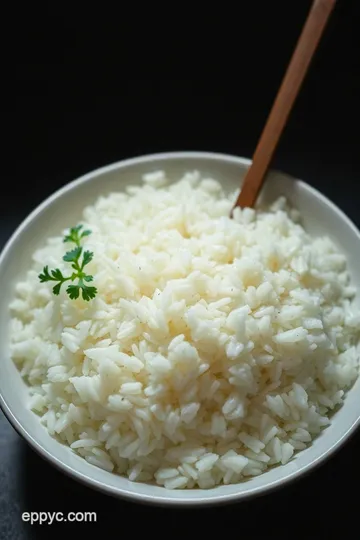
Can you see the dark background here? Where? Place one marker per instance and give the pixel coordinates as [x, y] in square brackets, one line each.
[74, 105]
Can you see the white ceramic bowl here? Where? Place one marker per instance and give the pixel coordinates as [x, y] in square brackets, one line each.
[64, 207]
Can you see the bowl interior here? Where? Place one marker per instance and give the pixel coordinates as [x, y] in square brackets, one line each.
[320, 217]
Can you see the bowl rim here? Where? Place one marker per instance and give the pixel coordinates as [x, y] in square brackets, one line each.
[119, 492]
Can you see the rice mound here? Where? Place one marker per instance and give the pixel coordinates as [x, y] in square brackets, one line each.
[214, 349]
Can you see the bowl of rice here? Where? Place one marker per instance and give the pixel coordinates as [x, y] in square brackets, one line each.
[158, 350]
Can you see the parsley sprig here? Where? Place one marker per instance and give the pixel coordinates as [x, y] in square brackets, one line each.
[77, 264]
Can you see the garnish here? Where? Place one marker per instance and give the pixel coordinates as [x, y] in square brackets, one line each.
[77, 264]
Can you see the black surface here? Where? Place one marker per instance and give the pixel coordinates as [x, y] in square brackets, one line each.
[65, 120]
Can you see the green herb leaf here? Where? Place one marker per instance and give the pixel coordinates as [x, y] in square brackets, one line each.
[73, 291]
[88, 292]
[57, 275]
[73, 255]
[74, 235]
[56, 288]
[87, 257]
[45, 276]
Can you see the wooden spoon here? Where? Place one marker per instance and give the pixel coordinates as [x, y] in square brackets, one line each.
[304, 51]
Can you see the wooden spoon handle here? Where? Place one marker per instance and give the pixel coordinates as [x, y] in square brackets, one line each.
[305, 48]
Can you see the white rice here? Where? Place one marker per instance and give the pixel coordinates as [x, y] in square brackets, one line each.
[214, 349]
